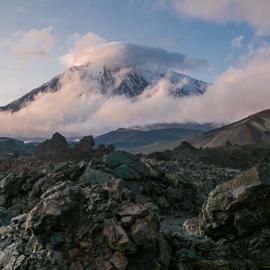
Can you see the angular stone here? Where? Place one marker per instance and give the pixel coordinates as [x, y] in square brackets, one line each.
[86, 143]
[132, 209]
[119, 260]
[92, 177]
[19, 219]
[143, 234]
[59, 206]
[131, 171]
[117, 237]
[233, 199]
[118, 158]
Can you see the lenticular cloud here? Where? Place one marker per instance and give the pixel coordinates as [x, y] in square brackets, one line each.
[92, 48]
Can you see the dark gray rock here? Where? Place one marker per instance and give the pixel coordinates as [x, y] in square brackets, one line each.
[118, 158]
[239, 211]
[126, 166]
[19, 219]
[62, 204]
[11, 185]
[241, 199]
[92, 177]
[4, 216]
[117, 237]
[86, 143]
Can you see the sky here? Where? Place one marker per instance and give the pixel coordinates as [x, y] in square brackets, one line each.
[224, 42]
[36, 33]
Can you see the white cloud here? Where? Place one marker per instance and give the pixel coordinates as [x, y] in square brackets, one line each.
[94, 49]
[256, 13]
[82, 42]
[237, 42]
[32, 44]
[236, 93]
[79, 108]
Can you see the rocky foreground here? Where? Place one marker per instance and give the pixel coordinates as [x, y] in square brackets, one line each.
[85, 208]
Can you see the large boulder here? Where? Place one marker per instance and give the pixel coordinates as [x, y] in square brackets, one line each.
[92, 176]
[59, 208]
[235, 208]
[54, 149]
[86, 143]
[84, 149]
[10, 186]
[239, 210]
[15, 186]
[126, 166]
[118, 158]
[57, 149]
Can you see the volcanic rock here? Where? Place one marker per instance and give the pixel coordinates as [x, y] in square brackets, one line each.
[238, 210]
[86, 143]
[126, 166]
[54, 149]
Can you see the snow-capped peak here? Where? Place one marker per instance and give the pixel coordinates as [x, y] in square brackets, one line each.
[128, 81]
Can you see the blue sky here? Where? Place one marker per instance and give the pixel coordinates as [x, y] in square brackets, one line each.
[149, 22]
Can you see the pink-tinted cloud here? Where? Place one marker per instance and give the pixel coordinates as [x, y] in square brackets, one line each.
[93, 48]
[32, 44]
[255, 13]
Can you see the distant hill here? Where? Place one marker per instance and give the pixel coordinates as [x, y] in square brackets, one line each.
[189, 125]
[147, 139]
[254, 129]
[226, 156]
[10, 147]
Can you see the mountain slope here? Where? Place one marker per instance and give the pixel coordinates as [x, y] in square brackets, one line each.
[10, 147]
[130, 82]
[151, 138]
[254, 129]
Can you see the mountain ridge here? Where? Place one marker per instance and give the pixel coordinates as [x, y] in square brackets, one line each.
[150, 138]
[254, 129]
[130, 82]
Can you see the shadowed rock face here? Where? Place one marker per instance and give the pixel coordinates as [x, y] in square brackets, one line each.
[86, 144]
[247, 193]
[126, 165]
[57, 149]
[239, 211]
